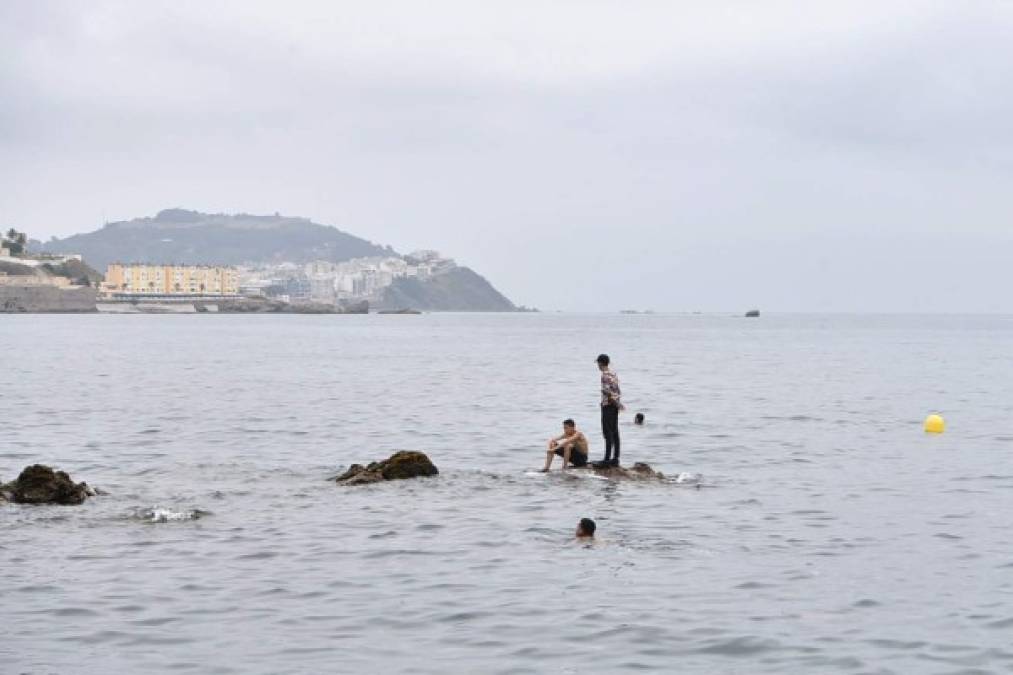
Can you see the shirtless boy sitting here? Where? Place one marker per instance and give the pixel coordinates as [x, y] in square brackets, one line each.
[571, 446]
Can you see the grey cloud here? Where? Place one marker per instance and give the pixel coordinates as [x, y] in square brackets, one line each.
[686, 159]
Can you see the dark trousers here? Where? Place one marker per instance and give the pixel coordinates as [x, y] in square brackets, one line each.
[577, 458]
[610, 430]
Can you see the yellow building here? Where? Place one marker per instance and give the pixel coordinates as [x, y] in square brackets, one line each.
[171, 279]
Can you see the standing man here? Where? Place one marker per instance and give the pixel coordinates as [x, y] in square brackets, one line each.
[610, 407]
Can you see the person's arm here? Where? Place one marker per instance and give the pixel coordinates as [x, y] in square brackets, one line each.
[561, 443]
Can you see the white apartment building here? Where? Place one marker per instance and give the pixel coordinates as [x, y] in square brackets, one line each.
[360, 278]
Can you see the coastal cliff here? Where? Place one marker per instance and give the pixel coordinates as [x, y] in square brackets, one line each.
[459, 289]
[40, 285]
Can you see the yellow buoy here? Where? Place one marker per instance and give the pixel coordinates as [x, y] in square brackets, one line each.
[934, 424]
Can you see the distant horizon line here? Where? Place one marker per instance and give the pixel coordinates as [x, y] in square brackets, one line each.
[739, 313]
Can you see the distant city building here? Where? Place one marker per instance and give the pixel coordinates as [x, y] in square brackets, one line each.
[328, 282]
[425, 255]
[177, 280]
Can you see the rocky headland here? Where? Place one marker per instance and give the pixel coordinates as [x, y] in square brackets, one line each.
[243, 239]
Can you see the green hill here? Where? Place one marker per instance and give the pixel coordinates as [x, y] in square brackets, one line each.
[191, 237]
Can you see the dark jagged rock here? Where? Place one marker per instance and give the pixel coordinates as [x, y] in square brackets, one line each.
[357, 474]
[639, 471]
[402, 464]
[39, 484]
[406, 464]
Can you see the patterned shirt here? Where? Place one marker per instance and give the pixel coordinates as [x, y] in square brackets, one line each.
[610, 393]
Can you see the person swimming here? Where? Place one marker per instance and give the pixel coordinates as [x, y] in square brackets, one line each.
[586, 528]
[638, 419]
[571, 446]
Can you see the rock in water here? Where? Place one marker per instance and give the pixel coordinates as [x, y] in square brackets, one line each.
[358, 474]
[402, 464]
[639, 471]
[407, 464]
[40, 484]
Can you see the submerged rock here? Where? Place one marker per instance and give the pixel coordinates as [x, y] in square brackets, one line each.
[357, 474]
[39, 484]
[639, 471]
[402, 464]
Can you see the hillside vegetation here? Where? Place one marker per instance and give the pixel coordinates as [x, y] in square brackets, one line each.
[194, 238]
[459, 289]
[191, 237]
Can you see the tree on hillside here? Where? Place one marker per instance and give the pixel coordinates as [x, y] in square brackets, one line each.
[15, 241]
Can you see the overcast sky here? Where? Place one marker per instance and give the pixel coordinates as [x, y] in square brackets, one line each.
[851, 156]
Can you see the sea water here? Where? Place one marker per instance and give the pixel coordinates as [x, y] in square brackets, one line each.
[829, 534]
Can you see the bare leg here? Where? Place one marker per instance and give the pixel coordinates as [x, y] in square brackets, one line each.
[550, 453]
[566, 456]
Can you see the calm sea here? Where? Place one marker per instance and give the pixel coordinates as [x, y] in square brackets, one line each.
[832, 534]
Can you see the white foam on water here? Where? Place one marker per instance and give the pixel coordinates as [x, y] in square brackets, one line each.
[161, 515]
[571, 472]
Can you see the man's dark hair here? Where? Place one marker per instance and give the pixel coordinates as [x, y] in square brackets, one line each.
[638, 418]
[569, 423]
[588, 526]
[603, 359]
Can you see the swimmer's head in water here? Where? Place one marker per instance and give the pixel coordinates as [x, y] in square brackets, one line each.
[638, 418]
[586, 528]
